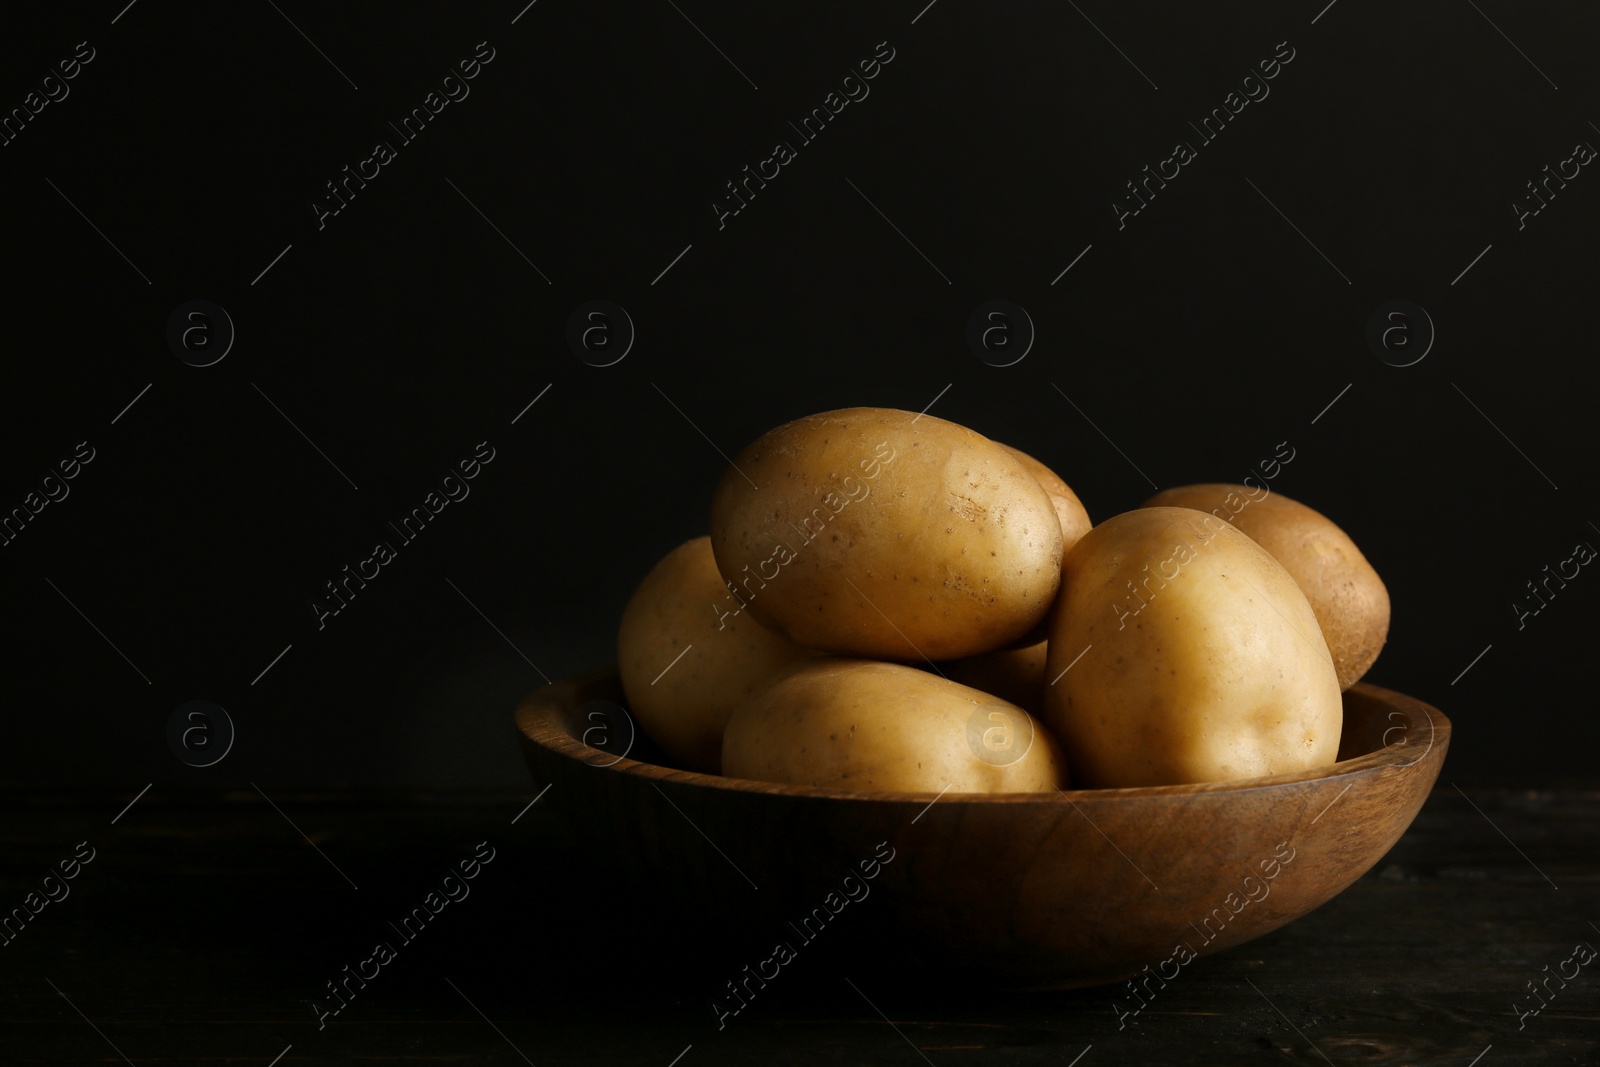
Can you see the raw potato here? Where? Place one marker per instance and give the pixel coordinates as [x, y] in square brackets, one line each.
[1348, 597]
[1069, 509]
[858, 724]
[1204, 661]
[886, 534]
[1015, 675]
[681, 603]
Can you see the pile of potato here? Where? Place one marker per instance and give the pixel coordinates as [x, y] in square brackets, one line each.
[893, 601]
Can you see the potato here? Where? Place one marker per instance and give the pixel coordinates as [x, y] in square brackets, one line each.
[885, 534]
[684, 705]
[1069, 509]
[1348, 597]
[1015, 675]
[1201, 660]
[859, 724]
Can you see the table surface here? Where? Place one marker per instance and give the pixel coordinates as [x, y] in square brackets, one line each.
[205, 928]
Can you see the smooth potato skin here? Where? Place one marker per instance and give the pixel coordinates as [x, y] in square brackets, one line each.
[884, 534]
[1349, 599]
[685, 709]
[1069, 509]
[1015, 675]
[860, 724]
[1221, 674]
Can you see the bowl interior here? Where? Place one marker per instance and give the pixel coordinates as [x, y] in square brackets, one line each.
[586, 719]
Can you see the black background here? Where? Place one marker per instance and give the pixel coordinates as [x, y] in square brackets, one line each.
[408, 329]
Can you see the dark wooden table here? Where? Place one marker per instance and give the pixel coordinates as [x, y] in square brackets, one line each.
[205, 930]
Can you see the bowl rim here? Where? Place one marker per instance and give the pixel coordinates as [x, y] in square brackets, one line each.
[537, 722]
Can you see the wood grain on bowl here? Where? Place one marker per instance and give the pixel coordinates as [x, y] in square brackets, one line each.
[1075, 888]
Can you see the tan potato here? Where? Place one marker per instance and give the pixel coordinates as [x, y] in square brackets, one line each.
[859, 724]
[885, 534]
[684, 705]
[1069, 509]
[1201, 660]
[1015, 675]
[1348, 597]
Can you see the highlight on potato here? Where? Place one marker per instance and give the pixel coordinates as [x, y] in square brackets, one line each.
[1201, 658]
[887, 534]
[1348, 597]
[860, 724]
[889, 601]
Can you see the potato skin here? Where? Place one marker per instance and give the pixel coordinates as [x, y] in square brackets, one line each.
[884, 534]
[1015, 675]
[861, 724]
[1210, 668]
[1069, 509]
[1349, 599]
[685, 709]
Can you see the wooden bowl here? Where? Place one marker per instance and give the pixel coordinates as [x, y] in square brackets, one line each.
[1062, 889]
